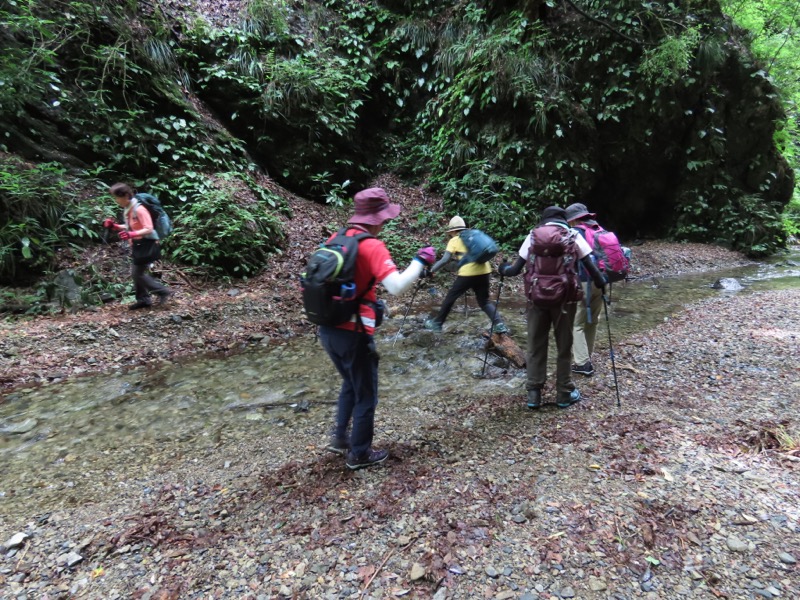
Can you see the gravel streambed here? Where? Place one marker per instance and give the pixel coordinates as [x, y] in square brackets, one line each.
[688, 488]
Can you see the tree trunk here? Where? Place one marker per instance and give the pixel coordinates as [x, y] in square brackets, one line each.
[506, 347]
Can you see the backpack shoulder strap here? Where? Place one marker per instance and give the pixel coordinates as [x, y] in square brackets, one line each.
[359, 236]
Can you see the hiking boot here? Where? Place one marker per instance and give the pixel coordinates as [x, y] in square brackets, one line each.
[432, 325]
[500, 328]
[534, 399]
[566, 399]
[373, 457]
[138, 305]
[584, 369]
[338, 446]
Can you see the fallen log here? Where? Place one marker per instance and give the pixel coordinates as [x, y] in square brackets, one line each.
[505, 346]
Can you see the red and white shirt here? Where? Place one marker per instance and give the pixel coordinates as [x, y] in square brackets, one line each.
[373, 263]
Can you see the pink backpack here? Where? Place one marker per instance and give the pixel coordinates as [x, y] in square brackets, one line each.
[611, 258]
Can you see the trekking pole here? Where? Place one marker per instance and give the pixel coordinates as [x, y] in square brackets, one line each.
[606, 302]
[408, 308]
[491, 329]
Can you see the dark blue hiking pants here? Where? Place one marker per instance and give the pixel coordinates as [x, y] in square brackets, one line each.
[353, 354]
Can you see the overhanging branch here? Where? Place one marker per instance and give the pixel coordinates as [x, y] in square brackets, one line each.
[602, 23]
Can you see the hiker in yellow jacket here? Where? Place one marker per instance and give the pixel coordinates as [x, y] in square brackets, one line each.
[471, 276]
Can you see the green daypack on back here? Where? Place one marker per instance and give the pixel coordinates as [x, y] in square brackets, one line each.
[328, 283]
[161, 221]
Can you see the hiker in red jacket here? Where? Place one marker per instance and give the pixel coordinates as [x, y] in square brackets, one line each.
[145, 247]
[351, 345]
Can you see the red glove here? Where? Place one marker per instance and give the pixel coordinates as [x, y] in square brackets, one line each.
[111, 224]
[126, 235]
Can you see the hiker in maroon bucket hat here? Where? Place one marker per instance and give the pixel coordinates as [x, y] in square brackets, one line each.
[351, 345]
[373, 207]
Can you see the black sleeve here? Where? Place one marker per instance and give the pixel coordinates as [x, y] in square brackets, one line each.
[513, 269]
[598, 278]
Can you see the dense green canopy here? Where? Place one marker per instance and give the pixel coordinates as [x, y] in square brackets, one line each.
[656, 115]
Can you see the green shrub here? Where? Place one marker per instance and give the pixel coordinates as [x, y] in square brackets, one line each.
[215, 229]
[497, 203]
[39, 212]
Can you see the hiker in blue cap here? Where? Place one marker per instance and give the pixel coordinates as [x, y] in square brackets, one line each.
[474, 276]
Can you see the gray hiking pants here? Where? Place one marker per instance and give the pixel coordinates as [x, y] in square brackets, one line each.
[144, 284]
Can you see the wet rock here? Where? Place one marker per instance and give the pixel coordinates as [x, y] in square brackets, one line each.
[15, 428]
[15, 541]
[736, 544]
[728, 284]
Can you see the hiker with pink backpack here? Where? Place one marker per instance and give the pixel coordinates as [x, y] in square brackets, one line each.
[612, 260]
[550, 255]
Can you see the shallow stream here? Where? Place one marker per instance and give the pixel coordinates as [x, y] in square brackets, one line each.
[113, 428]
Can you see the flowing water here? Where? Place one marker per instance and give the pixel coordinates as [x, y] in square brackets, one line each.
[54, 438]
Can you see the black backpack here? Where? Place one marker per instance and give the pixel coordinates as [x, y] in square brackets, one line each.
[329, 289]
